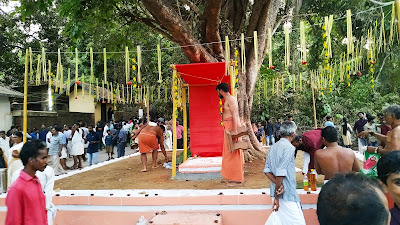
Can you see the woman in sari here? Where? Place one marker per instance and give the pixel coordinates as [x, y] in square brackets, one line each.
[77, 147]
[14, 162]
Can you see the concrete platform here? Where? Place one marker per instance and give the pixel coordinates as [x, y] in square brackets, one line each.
[198, 176]
[201, 165]
[188, 218]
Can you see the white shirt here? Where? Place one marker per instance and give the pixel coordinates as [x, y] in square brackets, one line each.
[48, 136]
[68, 134]
[5, 144]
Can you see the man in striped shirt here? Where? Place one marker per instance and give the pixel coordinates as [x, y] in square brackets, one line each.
[280, 169]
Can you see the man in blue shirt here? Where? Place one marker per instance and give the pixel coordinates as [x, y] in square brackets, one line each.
[43, 132]
[280, 169]
[55, 148]
[329, 122]
[121, 143]
[34, 134]
[93, 138]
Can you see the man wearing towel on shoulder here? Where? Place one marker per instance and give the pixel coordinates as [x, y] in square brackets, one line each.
[151, 138]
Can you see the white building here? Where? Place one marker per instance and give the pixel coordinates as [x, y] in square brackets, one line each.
[6, 118]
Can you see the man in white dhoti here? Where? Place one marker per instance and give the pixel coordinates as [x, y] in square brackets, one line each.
[280, 169]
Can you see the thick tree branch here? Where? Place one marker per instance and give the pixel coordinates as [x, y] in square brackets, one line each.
[210, 27]
[235, 13]
[163, 12]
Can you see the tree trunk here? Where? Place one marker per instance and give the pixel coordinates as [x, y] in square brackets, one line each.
[263, 16]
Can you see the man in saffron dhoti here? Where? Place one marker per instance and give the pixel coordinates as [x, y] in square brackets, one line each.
[232, 160]
[151, 138]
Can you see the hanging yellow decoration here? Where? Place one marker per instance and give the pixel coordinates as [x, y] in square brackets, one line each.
[61, 79]
[287, 44]
[139, 64]
[301, 81]
[271, 66]
[58, 68]
[127, 66]
[68, 82]
[30, 64]
[159, 64]
[131, 99]
[38, 70]
[243, 53]
[256, 48]
[303, 46]
[105, 64]
[227, 56]
[283, 86]
[83, 84]
[97, 89]
[49, 75]
[44, 69]
[76, 73]
[391, 34]
[102, 87]
[382, 36]
[265, 89]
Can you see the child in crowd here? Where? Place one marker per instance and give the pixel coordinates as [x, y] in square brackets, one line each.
[109, 144]
[388, 172]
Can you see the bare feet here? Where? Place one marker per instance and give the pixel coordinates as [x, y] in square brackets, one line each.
[154, 167]
[234, 184]
[144, 170]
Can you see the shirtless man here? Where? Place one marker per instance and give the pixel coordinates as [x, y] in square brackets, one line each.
[392, 139]
[334, 158]
[232, 161]
[151, 137]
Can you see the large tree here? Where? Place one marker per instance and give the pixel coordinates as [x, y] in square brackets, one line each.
[189, 23]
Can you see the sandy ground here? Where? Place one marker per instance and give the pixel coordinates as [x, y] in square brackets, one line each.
[126, 175]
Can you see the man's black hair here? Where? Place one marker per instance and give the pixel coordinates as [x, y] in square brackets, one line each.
[90, 125]
[351, 199]
[380, 114]
[370, 117]
[388, 164]
[57, 128]
[2, 132]
[289, 116]
[223, 86]
[31, 150]
[297, 138]
[330, 134]
[162, 127]
[328, 118]
[18, 134]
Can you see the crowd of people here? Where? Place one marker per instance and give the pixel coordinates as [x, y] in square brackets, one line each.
[347, 197]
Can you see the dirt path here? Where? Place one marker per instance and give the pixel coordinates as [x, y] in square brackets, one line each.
[126, 175]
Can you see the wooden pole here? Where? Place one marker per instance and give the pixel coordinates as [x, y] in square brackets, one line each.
[313, 99]
[175, 103]
[25, 113]
[185, 140]
[233, 79]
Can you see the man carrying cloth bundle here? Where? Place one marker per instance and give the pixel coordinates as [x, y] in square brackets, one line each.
[232, 155]
[150, 139]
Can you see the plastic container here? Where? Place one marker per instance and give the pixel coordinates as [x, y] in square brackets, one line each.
[313, 181]
[305, 182]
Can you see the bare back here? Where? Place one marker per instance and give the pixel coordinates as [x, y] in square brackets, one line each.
[334, 160]
[393, 139]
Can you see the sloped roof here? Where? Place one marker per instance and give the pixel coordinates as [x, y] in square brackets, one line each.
[10, 92]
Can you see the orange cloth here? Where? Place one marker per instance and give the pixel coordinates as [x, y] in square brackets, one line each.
[232, 163]
[147, 141]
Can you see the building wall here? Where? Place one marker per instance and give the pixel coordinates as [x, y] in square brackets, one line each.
[37, 118]
[81, 103]
[5, 113]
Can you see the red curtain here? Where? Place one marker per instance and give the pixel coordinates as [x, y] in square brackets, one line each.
[206, 133]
